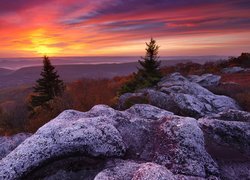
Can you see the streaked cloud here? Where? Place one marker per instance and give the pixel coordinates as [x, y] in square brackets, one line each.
[117, 27]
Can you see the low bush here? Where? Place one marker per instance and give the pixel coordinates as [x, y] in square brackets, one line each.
[13, 119]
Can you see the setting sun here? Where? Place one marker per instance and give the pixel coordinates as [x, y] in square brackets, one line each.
[41, 50]
[43, 43]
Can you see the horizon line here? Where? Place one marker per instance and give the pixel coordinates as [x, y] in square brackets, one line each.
[212, 55]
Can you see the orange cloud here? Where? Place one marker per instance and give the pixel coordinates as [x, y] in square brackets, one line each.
[116, 27]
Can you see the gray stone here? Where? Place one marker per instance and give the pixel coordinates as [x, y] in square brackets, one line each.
[232, 135]
[179, 95]
[205, 80]
[228, 142]
[232, 115]
[9, 143]
[67, 134]
[234, 69]
[130, 170]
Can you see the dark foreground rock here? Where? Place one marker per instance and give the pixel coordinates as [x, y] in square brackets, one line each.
[180, 95]
[228, 142]
[162, 144]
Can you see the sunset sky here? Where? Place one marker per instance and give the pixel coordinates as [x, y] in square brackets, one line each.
[120, 27]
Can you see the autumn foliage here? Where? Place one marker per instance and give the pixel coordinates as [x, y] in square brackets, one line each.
[80, 95]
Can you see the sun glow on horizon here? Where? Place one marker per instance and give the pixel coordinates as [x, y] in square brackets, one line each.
[91, 28]
[41, 50]
[42, 43]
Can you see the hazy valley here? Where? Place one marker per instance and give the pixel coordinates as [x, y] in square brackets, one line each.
[70, 72]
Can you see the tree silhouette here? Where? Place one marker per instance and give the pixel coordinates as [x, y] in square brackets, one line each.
[149, 73]
[48, 86]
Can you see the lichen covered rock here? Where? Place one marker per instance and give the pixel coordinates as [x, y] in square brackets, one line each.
[233, 135]
[61, 137]
[178, 94]
[228, 142]
[143, 133]
[232, 115]
[131, 170]
[205, 80]
[181, 148]
[9, 143]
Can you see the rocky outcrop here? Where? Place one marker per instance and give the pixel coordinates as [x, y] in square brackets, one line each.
[177, 94]
[172, 144]
[8, 143]
[205, 80]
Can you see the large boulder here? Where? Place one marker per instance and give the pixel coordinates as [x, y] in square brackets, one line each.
[193, 99]
[180, 147]
[228, 142]
[205, 80]
[143, 133]
[63, 136]
[231, 135]
[9, 143]
[130, 170]
[177, 94]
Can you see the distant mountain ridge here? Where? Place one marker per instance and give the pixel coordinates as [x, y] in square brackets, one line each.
[17, 63]
[71, 72]
[4, 71]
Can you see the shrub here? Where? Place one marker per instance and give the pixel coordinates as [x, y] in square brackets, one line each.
[43, 114]
[244, 100]
[13, 119]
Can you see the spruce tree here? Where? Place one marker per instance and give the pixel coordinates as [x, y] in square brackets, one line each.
[149, 73]
[48, 86]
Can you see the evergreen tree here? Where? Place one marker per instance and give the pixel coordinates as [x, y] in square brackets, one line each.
[149, 73]
[48, 86]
